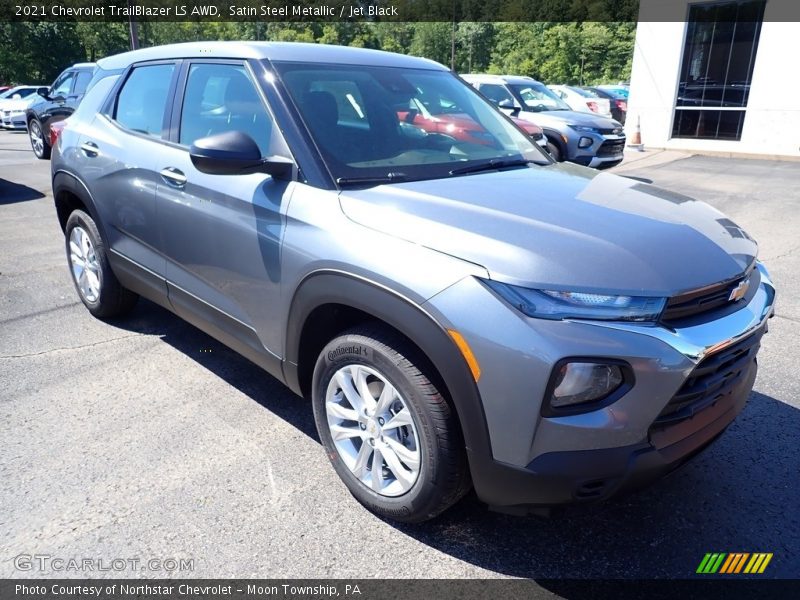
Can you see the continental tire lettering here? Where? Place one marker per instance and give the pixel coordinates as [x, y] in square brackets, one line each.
[350, 350]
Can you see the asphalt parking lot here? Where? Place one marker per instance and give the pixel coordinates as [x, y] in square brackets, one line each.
[148, 439]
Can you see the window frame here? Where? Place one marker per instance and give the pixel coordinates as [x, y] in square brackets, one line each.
[109, 109]
[180, 94]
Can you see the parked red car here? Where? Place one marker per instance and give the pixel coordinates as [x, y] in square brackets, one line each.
[461, 126]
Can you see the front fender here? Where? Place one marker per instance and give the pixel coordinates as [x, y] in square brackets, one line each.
[335, 287]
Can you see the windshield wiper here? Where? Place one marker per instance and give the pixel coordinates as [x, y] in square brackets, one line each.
[356, 181]
[494, 164]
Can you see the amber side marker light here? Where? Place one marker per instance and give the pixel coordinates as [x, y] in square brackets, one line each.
[466, 352]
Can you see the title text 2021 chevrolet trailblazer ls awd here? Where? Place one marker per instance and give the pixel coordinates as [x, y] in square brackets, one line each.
[459, 313]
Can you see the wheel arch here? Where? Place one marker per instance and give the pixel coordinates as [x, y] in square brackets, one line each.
[69, 194]
[328, 302]
[554, 137]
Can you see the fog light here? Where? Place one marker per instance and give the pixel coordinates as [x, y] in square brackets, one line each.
[581, 382]
[585, 142]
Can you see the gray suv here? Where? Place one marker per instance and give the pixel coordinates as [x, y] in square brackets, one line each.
[583, 138]
[460, 313]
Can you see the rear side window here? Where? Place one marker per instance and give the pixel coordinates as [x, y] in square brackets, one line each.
[221, 98]
[142, 101]
[82, 82]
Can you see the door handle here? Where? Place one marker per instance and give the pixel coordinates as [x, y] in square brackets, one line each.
[90, 149]
[174, 177]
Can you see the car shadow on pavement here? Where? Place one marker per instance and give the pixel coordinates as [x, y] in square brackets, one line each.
[11, 193]
[740, 495]
[233, 368]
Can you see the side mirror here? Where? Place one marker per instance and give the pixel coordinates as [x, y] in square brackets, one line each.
[235, 153]
[509, 105]
[44, 92]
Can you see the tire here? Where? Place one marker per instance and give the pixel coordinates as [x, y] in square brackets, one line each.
[430, 435]
[95, 282]
[39, 142]
[555, 151]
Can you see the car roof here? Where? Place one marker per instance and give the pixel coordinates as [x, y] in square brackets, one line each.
[277, 51]
[489, 78]
[84, 65]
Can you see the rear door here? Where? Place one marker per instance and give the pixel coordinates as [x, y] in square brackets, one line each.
[222, 234]
[117, 156]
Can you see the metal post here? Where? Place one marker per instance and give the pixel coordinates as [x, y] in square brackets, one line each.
[133, 26]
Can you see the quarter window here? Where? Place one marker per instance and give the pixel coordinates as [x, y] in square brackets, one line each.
[143, 99]
[221, 98]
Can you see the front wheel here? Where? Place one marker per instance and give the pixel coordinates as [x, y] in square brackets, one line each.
[554, 151]
[391, 435]
[39, 143]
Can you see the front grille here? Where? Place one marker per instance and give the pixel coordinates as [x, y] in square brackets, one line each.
[612, 131]
[705, 299]
[611, 148]
[712, 380]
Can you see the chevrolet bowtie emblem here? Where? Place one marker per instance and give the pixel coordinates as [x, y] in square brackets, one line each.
[739, 291]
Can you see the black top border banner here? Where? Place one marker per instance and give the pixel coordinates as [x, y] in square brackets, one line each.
[618, 11]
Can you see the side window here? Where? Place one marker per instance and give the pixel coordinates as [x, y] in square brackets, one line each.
[495, 93]
[143, 98]
[222, 98]
[82, 82]
[63, 84]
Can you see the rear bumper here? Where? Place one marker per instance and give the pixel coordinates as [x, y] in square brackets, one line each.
[589, 475]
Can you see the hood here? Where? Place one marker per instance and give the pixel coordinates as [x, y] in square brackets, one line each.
[556, 118]
[562, 227]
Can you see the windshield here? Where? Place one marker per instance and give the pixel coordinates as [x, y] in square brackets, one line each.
[538, 97]
[386, 124]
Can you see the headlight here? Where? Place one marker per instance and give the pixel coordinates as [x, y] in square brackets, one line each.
[584, 128]
[555, 305]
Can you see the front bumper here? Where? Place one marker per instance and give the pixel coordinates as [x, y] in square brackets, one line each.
[605, 151]
[536, 460]
[12, 120]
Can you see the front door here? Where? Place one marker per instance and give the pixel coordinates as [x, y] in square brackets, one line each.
[221, 234]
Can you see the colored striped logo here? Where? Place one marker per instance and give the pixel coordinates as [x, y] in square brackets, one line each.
[735, 562]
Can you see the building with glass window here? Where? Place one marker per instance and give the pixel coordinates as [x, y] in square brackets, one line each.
[717, 76]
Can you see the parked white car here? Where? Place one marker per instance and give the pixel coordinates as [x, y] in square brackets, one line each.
[13, 104]
[582, 100]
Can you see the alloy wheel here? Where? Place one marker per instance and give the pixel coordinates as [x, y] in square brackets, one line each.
[373, 430]
[37, 139]
[85, 266]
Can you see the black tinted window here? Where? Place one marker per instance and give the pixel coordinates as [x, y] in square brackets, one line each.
[222, 98]
[82, 82]
[143, 99]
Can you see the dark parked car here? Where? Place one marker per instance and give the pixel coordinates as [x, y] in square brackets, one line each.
[617, 99]
[58, 102]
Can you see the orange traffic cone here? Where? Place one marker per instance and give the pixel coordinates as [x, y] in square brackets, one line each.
[635, 142]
